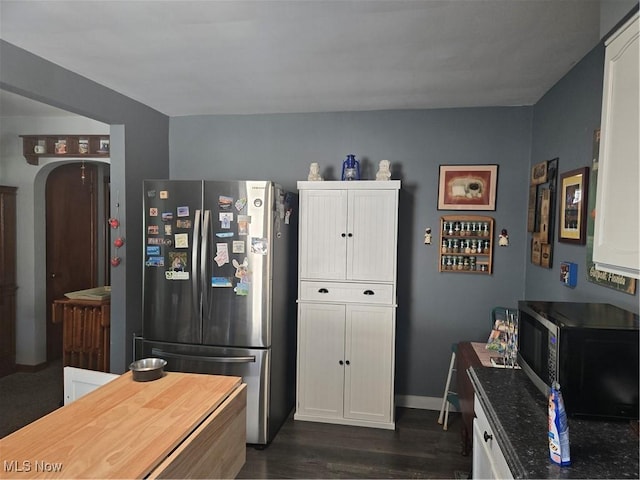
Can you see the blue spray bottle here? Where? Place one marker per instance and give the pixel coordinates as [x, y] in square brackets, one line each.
[558, 428]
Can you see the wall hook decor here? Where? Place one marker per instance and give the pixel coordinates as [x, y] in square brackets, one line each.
[119, 240]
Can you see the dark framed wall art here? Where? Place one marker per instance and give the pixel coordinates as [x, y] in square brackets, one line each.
[540, 219]
[467, 187]
[572, 218]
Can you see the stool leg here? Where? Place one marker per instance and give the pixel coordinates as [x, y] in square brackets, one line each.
[446, 417]
[446, 388]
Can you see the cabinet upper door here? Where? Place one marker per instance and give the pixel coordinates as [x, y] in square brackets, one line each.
[372, 235]
[616, 238]
[323, 230]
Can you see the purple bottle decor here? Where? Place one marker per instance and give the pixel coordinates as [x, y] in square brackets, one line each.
[351, 168]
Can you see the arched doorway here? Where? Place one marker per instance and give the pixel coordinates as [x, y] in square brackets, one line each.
[75, 254]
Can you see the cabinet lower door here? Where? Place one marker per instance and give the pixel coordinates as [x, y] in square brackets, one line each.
[369, 363]
[321, 331]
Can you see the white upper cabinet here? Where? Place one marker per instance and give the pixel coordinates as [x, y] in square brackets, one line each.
[616, 243]
[348, 230]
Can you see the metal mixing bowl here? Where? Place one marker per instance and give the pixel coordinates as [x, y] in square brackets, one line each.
[147, 369]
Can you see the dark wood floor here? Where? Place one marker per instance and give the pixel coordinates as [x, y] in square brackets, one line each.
[418, 448]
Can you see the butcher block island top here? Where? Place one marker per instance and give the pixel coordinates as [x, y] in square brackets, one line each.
[182, 425]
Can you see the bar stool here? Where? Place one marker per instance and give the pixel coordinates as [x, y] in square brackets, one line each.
[449, 397]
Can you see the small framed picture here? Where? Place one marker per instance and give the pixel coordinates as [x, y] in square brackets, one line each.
[83, 146]
[539, 173]
[467, 187]
[104, 146]
[573, 206]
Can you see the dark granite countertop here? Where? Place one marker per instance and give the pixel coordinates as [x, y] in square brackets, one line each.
[517, 412]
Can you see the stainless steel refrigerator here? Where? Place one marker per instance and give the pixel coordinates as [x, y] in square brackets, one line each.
[219, 288]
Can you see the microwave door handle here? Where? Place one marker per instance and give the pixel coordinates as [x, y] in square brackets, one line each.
[194, 261]
[203, 358]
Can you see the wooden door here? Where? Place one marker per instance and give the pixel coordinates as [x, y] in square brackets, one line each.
[71, 239]
[7, 280]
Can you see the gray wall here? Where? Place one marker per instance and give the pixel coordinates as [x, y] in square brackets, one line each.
[139, 149]
[563, 124]
[435, 309]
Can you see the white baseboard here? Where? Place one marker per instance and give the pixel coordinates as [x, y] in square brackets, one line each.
[424, 403]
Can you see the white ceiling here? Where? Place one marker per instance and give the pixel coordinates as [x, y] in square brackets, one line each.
[186, 57]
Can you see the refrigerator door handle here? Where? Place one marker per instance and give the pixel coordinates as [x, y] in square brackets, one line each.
[161, 353]
[203, 261]
[195, 262]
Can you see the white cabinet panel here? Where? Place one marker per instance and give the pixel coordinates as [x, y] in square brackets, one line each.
[488, 460]
[370, 293]
[369, 371]
[349, 233]
[321, 330]
[372, 222]
[616, 243]
[323, 228]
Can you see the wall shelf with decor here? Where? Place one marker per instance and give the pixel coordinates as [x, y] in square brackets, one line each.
[76, 146]
[466, 244]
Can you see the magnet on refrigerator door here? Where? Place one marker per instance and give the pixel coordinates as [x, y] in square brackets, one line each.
[183, 211]
[259, 245]
[181, 240]
[225, 202]
[221, 282]
[164, 194]
[153, 212]
[225, 219]
[240, 204]
[178, 261]
[222, 254]
[237, 246]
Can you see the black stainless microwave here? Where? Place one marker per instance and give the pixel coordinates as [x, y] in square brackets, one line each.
[590, 349]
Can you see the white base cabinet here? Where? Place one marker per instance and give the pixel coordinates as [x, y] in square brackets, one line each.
[488, 460]
[346, 364]
[347, 302]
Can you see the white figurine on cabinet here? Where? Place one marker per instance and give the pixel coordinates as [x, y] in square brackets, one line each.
[314, 173]
[384, 171]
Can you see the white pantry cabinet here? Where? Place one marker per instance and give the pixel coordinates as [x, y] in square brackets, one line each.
[616, 242]
[347, 302]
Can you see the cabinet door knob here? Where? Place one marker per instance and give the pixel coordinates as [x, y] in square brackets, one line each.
[343, 235]
[350, 235]
[341, 362]
[369, 292]
[348, 362]
[323, 290]
[487, 437]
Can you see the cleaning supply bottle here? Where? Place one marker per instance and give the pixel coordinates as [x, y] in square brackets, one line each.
[558, 428]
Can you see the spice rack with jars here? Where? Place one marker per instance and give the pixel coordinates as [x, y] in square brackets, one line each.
[466, 244]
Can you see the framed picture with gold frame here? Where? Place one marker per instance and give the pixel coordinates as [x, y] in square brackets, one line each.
[572, 218]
